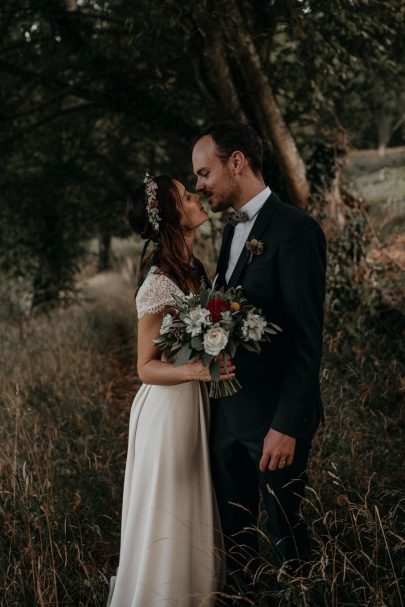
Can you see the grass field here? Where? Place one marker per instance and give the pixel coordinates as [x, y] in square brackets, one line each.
[68, 381]
[381, 182]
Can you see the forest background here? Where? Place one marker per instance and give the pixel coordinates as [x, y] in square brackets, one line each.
[92, 95]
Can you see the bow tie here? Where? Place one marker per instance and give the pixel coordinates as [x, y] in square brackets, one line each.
[235, 217]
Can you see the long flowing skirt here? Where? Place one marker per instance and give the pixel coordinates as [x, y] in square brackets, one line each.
[171, 551]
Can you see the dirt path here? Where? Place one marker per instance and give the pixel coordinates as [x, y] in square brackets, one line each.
[116, 294]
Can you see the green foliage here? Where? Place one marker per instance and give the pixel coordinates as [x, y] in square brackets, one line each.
[94, 94]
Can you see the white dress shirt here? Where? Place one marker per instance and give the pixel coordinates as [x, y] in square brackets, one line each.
[251, 208]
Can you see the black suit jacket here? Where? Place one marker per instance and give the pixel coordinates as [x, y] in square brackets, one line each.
[287, 282]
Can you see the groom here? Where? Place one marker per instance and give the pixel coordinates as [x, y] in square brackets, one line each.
[261, 436]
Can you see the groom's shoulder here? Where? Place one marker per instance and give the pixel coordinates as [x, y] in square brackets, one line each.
[291, 216]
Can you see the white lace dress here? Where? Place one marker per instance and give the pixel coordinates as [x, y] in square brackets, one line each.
[171, 552]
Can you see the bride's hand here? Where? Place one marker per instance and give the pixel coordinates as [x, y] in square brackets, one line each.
[225, 362]
[196, 371]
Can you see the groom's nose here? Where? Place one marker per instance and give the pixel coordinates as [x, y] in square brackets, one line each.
[199, 186]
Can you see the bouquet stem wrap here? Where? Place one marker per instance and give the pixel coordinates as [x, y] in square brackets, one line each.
[225, 387]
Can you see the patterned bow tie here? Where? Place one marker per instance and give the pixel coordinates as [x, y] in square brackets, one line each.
[235, 217]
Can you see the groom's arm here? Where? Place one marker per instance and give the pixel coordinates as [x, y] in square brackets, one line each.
[302, 268]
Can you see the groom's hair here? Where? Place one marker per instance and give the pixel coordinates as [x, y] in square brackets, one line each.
[231, 136]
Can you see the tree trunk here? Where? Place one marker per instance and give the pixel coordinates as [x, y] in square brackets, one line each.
[336, 216]
[384, 124]
[273, 124]
[219, 73]
[45, 292]
[104, 255]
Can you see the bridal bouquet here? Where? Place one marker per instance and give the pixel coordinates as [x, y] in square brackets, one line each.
[213, 323]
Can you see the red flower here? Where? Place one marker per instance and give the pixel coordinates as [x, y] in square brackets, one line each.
[216, 306]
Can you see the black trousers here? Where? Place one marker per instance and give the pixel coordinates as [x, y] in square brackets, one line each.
[238, 483]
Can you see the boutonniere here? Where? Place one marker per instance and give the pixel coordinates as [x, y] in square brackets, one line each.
[254, 247]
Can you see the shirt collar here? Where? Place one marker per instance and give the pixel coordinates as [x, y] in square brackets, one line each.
[253, 206]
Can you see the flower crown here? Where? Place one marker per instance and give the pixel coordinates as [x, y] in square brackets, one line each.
[152, 207]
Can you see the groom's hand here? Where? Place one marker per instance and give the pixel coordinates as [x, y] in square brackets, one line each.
[278, 450]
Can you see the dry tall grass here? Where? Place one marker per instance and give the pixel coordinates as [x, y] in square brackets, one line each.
[66, 386]
[67, 382]
[355, 508]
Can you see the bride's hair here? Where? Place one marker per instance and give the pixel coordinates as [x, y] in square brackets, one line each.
[170, 255]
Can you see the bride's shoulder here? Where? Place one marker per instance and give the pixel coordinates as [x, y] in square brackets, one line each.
[156, 279]
[155, 293]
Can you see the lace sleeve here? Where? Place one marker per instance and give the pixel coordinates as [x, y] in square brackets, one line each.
[155, 294]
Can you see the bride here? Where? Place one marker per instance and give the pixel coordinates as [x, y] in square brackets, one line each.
[170, 551]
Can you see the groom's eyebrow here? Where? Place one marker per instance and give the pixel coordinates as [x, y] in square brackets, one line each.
[200, 170]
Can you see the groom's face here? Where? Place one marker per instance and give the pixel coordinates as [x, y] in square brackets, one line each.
[215, 179]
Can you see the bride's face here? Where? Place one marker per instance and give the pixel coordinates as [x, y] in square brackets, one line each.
[192, 212]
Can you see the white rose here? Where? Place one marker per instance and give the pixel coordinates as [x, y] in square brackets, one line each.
[253, 327]
[166, 323]
[215, 340]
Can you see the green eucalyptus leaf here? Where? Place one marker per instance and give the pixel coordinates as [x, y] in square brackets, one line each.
[214, 369]
[183, 356]
[196, 343]
[205, 359]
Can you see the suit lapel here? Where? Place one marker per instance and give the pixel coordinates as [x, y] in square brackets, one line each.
[259, 227]
[224, 253]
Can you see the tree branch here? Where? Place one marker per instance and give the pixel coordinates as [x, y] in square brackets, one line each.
[49, 118]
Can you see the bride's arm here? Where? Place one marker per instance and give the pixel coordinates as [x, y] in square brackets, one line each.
[152, 370]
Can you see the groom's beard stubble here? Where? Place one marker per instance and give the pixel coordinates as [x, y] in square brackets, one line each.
[227, 198]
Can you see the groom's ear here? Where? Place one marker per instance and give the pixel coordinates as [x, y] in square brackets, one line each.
[238, 161]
